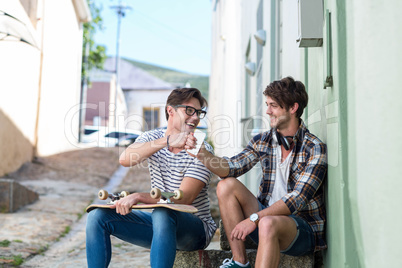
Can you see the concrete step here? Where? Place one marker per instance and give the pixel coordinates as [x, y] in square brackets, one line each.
[224, 243]
[13, 196]
[211, 258]
[214, 258]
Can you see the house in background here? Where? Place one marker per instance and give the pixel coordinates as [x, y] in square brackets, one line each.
[144, 94]
[101, 98]
[40, 80]
[348, 55]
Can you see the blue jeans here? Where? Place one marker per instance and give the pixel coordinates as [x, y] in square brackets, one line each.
[163, 231]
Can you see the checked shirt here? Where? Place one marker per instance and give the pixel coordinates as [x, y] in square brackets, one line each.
[305, 193]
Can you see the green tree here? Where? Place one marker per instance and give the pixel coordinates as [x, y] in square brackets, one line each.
[93, 55]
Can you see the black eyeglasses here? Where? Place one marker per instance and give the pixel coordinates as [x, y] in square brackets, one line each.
[191, 110]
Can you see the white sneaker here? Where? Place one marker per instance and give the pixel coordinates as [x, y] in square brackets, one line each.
[231, 263]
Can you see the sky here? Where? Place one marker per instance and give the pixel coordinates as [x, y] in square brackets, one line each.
[168, 33]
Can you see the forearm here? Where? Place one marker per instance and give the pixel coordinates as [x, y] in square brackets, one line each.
[215, 164]
[276, 209]
[138, 152]
[144, 198]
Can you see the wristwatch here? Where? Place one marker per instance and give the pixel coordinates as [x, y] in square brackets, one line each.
[255, 218]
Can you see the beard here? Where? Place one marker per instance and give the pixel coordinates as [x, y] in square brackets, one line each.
[280, 122]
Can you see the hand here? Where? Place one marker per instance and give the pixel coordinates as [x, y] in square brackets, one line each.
[191, 143]
[123, 206]
[178, 140]
[243, 229]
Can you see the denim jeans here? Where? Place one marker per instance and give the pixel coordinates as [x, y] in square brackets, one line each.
[163, 231]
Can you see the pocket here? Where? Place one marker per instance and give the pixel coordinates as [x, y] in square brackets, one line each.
[297, 170]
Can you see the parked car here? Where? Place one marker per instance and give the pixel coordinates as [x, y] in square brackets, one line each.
[101, 136]
[127, 140]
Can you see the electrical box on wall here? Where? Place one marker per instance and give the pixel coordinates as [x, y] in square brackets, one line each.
[311, 20]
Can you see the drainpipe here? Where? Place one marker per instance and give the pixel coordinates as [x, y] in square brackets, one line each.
[35, 145]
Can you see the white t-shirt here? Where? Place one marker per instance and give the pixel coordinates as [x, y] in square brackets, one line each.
[282, 176]
[168, 170]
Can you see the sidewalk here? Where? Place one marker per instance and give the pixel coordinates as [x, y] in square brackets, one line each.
[51, 231]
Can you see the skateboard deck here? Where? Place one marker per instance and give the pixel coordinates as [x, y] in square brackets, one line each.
[155, 193]
[177, 207]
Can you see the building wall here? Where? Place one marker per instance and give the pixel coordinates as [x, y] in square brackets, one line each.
[225, 80]
[357, 117]
[101, 98]
[36, 95]
[137, 100]
[373, 68]
[360, 112]
[98, 98]
[18, 97]
[60, 77]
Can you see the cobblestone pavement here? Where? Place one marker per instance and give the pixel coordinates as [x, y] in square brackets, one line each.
[51, 231]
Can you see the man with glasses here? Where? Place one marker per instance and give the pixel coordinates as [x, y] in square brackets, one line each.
[191, 110]
[288, 215]
[171, 168]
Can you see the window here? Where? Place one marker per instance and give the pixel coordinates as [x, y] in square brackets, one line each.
[151, 118]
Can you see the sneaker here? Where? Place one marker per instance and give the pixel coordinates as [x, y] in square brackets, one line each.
[232, 263]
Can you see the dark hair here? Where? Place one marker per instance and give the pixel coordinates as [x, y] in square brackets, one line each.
[286, 92]
[180, 95]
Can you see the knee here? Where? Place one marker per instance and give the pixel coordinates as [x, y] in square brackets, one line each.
[225, 187]
[268, 227]
[94, 220]
[93, 217]
[163, 217]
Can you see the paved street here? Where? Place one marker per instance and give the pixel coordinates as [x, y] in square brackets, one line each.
[51, 231]
[54, 226]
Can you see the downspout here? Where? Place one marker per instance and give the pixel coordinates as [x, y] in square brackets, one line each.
[35, 145]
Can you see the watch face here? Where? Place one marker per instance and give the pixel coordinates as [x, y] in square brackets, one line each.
[254, 217]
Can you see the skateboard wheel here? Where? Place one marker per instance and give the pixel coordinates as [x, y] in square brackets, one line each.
[103, 194]
[124, 194]
[156, 193]
[178, 194]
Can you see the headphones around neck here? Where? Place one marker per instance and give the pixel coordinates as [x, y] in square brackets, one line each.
[283, 140]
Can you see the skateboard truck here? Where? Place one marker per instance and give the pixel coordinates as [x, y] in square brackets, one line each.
[103, 195]
[166, 196]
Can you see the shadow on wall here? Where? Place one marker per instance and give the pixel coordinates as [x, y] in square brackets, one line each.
[15, 148]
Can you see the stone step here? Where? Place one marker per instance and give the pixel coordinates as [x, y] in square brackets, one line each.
[214, 258]
[211, 258]
[224, 243]
[13, 196]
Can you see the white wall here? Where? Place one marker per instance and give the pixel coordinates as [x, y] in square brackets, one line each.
[26, 84]
[225, 80]
[19, 78]
[60, 84]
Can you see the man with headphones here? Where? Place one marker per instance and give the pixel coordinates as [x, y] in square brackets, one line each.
[288, 216]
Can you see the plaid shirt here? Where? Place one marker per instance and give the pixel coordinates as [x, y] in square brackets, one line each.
[305, 197]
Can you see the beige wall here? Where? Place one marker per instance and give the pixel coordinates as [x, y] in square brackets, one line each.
[27, 83]
[19, 71]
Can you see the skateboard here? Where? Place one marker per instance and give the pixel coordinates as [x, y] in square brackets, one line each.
[165, 201]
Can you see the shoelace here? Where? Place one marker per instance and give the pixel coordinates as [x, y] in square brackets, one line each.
[226, 263]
